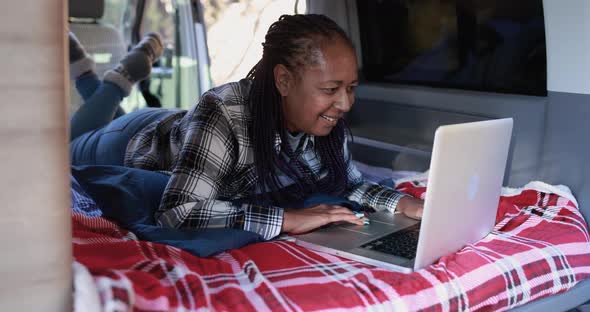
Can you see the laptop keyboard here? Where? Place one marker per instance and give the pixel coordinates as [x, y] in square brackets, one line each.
[402, 243]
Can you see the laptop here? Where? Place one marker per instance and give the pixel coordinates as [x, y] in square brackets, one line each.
[463, 190]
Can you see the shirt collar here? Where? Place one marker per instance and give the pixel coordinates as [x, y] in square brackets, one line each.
[308, 142]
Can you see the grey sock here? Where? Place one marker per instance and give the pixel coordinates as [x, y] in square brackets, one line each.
[137, 64]
[80, 61]
[77, 51]
[120, 80]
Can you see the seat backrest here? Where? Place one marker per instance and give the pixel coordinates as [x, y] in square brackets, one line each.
[103, 42]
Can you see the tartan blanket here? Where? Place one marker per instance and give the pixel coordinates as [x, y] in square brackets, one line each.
[539, 247]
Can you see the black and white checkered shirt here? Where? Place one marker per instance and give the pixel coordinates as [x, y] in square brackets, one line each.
[210, 155]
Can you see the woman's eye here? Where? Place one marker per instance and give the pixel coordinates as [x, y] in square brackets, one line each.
[351, 89]
[330, 90]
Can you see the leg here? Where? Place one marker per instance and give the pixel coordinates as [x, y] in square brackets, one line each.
[102, 106]
[107, 145]
[88, 84]
[82, 71]
[82, 68]
[98, 111]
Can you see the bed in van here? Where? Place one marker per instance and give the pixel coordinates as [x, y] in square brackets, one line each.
[423, 64]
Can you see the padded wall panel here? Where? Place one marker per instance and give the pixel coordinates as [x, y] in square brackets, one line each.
[35, 238]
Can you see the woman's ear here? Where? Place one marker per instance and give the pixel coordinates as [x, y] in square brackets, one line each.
[283, 79]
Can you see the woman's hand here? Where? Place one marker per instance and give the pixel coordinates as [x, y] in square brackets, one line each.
[411, 207]
[297, 221]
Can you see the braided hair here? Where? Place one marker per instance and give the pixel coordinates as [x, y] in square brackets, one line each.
[293, 41]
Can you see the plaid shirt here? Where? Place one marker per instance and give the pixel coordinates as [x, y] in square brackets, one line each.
[210, 154]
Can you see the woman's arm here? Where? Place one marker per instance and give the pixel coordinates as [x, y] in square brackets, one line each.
[379, 197]
[207, 159]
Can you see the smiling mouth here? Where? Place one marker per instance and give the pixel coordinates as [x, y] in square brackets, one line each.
[330, 119]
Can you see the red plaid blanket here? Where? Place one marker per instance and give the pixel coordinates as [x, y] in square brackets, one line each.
[539, 247]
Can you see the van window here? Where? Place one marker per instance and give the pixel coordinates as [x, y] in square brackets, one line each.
[177, 78]
[486, 45]
[235, 32]
[175, 81]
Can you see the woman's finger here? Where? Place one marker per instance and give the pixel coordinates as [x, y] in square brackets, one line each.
[415, 213]
[351, 218]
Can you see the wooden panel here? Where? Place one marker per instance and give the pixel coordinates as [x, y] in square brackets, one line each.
[35, 235]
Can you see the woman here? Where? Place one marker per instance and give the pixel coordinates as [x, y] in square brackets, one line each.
[251, 151]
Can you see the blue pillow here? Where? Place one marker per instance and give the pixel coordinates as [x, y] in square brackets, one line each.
[131, 196]
[126, 195]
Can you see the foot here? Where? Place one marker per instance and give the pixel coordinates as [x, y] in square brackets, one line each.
[80, 62]
[77, 51]
[137, 64]
[152, 45]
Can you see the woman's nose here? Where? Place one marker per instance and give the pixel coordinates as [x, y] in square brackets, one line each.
[344, 103]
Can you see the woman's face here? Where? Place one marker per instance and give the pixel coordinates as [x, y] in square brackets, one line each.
[316, 97]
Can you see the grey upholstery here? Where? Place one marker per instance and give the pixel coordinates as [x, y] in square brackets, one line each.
[103, 42]
[93, 9]
[570, 299]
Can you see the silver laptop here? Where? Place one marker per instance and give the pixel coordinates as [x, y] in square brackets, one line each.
[464, 183]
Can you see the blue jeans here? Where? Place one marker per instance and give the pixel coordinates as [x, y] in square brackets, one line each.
[100, 130]
[101, 104]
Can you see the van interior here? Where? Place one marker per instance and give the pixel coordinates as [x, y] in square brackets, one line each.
[422, 64]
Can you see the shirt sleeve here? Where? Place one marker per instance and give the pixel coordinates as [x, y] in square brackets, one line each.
[206, 161]
[376, 196]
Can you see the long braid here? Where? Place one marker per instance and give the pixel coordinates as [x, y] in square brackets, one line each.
[294, 41]
[330, 149]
